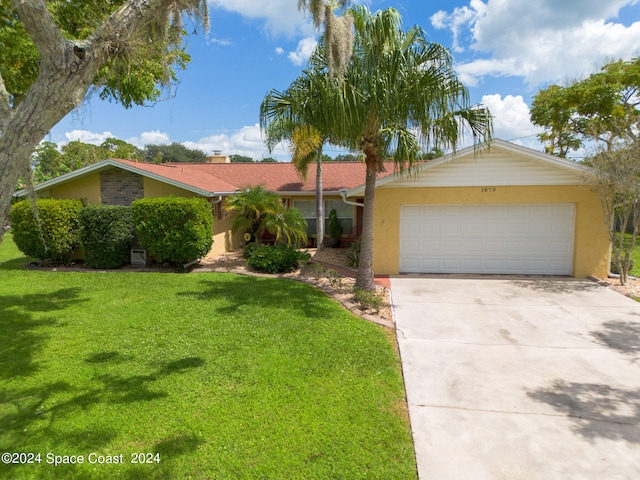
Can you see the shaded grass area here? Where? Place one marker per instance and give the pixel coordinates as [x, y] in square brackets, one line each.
[635, 256]
[223, 376]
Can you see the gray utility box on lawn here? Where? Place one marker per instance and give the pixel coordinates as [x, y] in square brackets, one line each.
[138, 256]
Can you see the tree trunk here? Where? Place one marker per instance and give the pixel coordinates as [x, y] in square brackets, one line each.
[57, 91]
[364, 278]
[319, 205]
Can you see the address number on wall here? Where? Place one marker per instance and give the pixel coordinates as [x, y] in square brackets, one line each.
[488, 189]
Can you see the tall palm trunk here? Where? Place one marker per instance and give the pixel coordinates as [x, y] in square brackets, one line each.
[319, 204]
[364, 278]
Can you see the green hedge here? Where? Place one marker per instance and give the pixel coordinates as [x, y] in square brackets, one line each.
[57, 239]
[106, 232]
[276, 259]
[174, 229]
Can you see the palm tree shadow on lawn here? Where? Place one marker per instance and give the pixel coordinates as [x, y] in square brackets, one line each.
[33, 415]
[242, 291]
[21, 328]
[31, 409]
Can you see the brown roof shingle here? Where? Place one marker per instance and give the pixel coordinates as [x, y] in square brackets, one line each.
[277, 177]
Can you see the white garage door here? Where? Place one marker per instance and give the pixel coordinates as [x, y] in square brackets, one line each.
[509, 239]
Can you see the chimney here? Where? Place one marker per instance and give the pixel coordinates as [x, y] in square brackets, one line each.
[217, 157]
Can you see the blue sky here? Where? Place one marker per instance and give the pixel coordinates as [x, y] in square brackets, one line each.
[505, 51]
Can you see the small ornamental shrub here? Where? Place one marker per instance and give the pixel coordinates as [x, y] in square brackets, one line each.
[51, 235]
[174, 229]
[276, 259]
[353, 256]
[368, 300]
[334, 224]
[249, 249]
[106, 232]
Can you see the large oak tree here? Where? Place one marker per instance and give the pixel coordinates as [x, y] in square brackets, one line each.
[54, 51]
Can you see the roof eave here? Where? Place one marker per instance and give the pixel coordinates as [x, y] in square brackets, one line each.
[110, 162]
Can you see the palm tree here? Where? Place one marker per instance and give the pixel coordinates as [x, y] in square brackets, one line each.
[256, 209]
[399, 93]
[299, 115]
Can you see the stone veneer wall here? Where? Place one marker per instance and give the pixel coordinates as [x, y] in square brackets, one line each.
[119, 187]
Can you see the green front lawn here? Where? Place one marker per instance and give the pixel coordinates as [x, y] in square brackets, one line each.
[217, 376]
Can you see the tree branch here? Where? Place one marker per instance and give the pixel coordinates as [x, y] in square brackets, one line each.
[41, 28]
[125, 22]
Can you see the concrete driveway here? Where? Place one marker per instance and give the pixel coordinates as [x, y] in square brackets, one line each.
[520, 378]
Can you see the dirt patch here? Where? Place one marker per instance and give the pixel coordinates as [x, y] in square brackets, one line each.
[631, 289]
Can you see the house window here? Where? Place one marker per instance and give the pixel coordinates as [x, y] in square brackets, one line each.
[308, 209]
[345, 214]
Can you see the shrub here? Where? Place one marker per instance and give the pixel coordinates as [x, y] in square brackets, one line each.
[276, 259]
[174, 229]
[249, 248]
[334, 224]
[106, 232]
[367, 300]
[56, 237]
[353, 256]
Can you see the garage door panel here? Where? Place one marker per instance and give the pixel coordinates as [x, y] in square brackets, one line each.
[514, 239]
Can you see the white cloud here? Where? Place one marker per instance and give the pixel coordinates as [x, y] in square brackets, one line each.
[304, 51]
[154, 137]
[547, 42]
[511, 116]
[457, 21]
[279, 50]
[220, 41]
[247, 141]
[85, 136]
[282, 17]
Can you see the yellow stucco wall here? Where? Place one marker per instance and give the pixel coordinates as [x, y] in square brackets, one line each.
[223, 239]
[87, 188]
[591, 241]
[154, 188]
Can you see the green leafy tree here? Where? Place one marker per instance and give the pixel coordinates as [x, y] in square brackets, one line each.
[258, 210]
[173, 152]
[240, 159]
[78, 154]
[120, 149]
[616, 179]
[47, 161]
[400, 93]
[347, 157]
[601, 112]
[601, 109]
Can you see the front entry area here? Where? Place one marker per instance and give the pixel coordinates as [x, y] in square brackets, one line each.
[532, 239]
